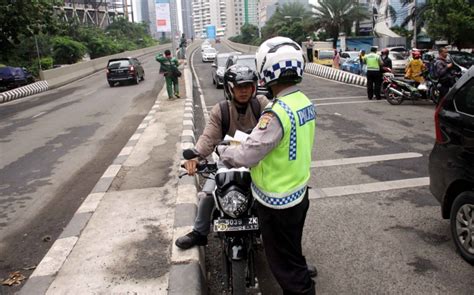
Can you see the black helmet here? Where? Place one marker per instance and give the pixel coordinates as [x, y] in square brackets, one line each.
[238, 74]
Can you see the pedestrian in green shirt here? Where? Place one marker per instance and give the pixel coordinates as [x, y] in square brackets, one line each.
[169, 68]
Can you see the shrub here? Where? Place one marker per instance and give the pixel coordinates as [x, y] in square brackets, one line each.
[67, 51]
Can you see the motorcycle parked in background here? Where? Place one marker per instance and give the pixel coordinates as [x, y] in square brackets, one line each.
[397, 90]
[235, 221]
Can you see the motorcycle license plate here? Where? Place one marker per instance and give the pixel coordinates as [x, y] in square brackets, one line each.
[243, 224]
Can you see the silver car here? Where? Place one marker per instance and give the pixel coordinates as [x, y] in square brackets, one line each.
[399, 63]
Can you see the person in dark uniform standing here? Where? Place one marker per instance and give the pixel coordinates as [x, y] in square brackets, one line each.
[374, 74]
[282, 141]
[386, 61]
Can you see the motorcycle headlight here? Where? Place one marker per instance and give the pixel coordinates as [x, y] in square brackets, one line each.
[233, 203]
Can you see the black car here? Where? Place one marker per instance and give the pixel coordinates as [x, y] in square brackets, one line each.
[451, 163]
[126, 69]
[218, 67]
[249, 61]
[12, 77]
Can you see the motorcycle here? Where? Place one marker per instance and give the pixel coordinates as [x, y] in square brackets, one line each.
[396, 90]
[235, 221]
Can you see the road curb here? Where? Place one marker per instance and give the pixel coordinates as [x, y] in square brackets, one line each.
[335, 74]
[189, 264]
[23, 91]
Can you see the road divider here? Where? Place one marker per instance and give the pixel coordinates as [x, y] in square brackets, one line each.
[23, 91]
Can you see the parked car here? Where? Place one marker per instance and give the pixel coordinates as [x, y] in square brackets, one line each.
[218, 67]
[12, 77]
[249, 61]
[125, 69]
[352, 65]
[399, 63]
[462, 59]
[209, 54]
[348, 55]
[451, 163]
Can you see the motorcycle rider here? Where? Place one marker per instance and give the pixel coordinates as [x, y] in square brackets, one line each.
[415, 68]
[442, 69]
[242, 103]
[282, 141]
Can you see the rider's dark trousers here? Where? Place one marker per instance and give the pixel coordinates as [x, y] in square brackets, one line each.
[282, 230]
[374, 77]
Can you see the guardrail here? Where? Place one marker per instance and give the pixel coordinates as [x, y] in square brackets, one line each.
[311, 68]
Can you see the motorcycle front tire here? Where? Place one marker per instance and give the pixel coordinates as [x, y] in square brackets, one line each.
[392, 97]
[239, 277]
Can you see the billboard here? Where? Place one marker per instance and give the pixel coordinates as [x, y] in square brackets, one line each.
[211, 32]
[163, 18]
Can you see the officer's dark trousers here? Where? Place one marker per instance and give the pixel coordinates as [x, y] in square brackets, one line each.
[309, 52]
[282, 231]
[374, 78]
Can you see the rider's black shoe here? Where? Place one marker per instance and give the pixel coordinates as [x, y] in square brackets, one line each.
[313, 272]
[191, 239]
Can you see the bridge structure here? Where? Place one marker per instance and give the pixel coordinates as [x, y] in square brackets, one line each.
[98, 13]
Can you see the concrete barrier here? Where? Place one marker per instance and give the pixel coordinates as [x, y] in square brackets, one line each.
[67, 74]
[23, 91]
[311, 68]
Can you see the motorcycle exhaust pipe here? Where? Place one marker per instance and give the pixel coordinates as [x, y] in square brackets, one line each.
[395, 91]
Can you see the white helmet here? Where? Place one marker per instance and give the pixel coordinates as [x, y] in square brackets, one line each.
[280, 59]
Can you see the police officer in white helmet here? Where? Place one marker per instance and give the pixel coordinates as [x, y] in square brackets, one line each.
[278, 152]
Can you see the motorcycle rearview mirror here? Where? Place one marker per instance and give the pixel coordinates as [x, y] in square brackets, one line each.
[189, 154]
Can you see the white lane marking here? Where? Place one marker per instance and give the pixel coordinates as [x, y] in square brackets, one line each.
[112, 171]
[55, 257]
[368, 188]
[358, 160]
[347, 102]
[337, 114]
[38, 115]
[337, 97]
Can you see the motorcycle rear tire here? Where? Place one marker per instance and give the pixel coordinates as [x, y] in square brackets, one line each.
[393, 98]
[239, 272]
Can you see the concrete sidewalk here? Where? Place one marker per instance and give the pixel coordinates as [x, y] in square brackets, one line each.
[121, 240]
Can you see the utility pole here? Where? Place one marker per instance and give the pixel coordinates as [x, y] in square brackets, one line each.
[415, 12]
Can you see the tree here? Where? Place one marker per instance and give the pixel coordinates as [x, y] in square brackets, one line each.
[291, 20]
[24, 18]
[337, 16]
[452, 20]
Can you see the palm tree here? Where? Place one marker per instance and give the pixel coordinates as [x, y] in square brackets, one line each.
[337, 16]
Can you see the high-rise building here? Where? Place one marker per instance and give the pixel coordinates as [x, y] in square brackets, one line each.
[187, 17]
[208, 12]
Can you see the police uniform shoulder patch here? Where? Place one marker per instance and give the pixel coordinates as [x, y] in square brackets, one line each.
[264, 120]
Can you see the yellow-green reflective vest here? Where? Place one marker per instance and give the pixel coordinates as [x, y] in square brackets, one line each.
[279, 180]
[372, 61]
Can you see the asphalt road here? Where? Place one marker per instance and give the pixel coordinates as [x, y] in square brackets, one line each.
[53, 149]
[373, 226]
